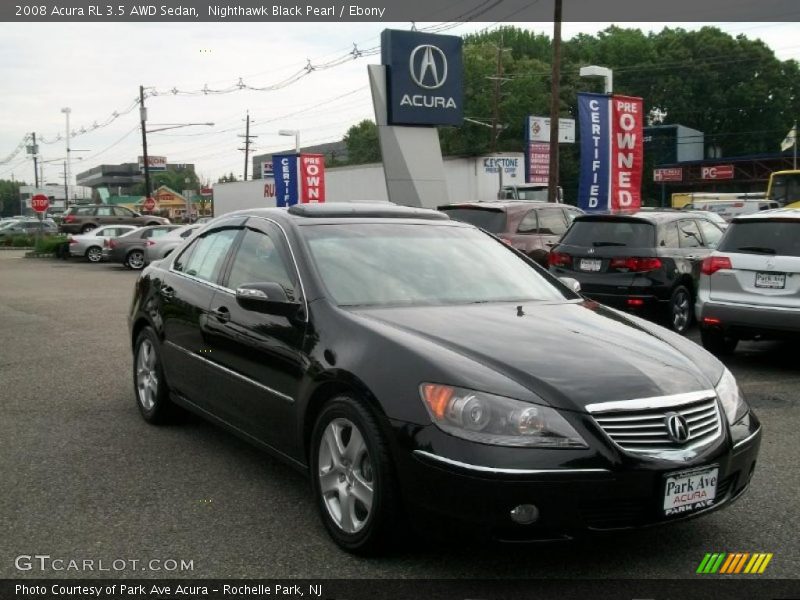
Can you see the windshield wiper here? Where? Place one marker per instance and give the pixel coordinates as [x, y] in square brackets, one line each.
[599, 244]
[758, 249]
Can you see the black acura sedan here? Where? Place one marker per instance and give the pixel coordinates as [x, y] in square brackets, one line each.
[420, 370]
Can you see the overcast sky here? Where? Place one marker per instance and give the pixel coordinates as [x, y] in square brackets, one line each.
[96, 69]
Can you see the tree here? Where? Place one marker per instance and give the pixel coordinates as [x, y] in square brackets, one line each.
[362, 143]
[227, 178]
[9, 197]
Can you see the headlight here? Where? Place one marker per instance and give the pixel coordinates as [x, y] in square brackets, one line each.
[496, 420]
[731, 398]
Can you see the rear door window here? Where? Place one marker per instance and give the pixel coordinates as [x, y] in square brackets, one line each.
[104, 211]
[551, 221]
[611, 232]
[689, 234]
[670, 236]
[711, 233]
[83, 211]
[763, 237]
[491, 220]
[529, 223]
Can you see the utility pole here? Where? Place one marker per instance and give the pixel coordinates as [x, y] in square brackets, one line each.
[67, 110]
[34, 154]
[143, 119]
[555, 93]
[247, 137]
[498, 80]
[66, 186]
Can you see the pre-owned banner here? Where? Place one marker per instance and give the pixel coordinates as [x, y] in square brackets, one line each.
[611, 152]
[312, 178]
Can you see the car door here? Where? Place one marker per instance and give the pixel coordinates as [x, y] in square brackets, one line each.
[105, 215]
[185, 292]
[258, 357]
[692, 246]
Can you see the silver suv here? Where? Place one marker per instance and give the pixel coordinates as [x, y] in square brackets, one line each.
[750, 286]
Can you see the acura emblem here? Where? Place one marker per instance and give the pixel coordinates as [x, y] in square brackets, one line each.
[677, 427]
[591, 250]
[428, 66]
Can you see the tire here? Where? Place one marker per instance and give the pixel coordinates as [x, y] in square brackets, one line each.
[716, 342]
[680, 309]
[135, 260]
[149, 384]
[87, 228]
[371, 515]
[94, 254]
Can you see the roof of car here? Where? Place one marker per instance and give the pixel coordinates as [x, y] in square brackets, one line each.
[503, 205]
[652, 215]
[773, 214]
[336, 211]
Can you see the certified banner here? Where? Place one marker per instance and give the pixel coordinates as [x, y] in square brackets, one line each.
[286, 183]
[612, 152]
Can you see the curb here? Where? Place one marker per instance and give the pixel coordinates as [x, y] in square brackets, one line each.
[40, 255]
[16, 248]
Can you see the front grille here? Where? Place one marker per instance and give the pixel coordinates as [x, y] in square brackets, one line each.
[645, 430]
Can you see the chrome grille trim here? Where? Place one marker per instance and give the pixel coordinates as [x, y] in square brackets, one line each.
[639, 426]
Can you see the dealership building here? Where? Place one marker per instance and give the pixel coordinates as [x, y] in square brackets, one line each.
[121, 179]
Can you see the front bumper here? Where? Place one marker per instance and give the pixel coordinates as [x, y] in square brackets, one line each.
[746, 320]
[604, 494]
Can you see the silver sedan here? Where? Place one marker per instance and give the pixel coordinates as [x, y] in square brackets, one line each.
[90, 245]
[158, 248]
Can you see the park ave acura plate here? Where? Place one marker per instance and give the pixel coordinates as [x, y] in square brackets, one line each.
[686, 491]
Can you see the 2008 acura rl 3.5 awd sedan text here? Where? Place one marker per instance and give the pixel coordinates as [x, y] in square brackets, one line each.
[417, 367]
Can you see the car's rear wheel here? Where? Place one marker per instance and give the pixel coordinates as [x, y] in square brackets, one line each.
[94, 254]
[352, 477]
[717, 342]
[87, 228]
[680, 309]
[150, 386]
[135, 260]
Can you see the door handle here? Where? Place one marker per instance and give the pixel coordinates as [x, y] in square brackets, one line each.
[222, 314]
[167, 292]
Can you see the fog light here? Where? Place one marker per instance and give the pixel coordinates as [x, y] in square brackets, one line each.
[525, 514]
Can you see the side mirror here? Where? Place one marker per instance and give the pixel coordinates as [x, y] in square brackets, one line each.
[269, 298]
[571, 283]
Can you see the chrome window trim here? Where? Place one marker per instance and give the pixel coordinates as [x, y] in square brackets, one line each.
[652, 402]
[504, 471]
[266, 388]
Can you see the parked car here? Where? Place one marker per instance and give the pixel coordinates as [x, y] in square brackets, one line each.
[750, 285]
[646, 262]
[90, 245]
[128, 248]
[27, 227]
[85, 217]
[418, 369]
[530, 227]
[158, 247]
[718, 219]
[728, 209]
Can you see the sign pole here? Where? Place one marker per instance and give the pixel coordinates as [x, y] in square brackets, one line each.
[143, 118]
[552, 184]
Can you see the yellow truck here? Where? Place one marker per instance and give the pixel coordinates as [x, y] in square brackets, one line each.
[784, 188]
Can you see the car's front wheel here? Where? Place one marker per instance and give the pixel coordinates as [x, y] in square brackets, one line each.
[94, 254]
[352, 477]
[717, 342]
[135, 260]
[150, 386]
[680, 309]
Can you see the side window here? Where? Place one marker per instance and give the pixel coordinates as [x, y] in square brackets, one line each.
[122, 212]
[155, 233]
[104, 211]
[711, 233]
[570, 214]
[670, 237]
[689, 234]
[84, 212]
[260, 259]
[529, 223]
[551, 221]
[204, 257]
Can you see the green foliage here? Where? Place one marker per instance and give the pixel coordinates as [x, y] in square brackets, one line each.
[18, 241]
[48, 244]
[176, 180]
[362, 143]
[227, 178]
[9, 197]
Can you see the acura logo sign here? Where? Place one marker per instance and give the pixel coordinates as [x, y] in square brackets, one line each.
[428, 66]
[677, 427]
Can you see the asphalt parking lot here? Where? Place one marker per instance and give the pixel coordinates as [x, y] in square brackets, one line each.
[84, 477]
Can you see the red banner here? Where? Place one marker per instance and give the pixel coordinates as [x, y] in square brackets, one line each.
[312, 178]
[539, 162]
[627, 152]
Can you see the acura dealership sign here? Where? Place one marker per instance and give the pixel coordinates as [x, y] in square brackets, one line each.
[424, 78]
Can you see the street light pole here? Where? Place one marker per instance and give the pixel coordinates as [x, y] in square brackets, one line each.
[296, 134]
[143, 119]
[67, 110]
[555, 93]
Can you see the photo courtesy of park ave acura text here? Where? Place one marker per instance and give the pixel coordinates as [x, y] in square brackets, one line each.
[449, 299]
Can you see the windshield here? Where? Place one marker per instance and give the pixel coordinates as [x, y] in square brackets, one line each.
[408, 264]
[785, 188]
[489, 219]
[609, 232]
[763, 237]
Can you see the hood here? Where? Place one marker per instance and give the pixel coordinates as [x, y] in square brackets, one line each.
[569, 354]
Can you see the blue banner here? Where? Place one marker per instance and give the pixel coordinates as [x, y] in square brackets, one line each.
[594, 119]
[284, 167]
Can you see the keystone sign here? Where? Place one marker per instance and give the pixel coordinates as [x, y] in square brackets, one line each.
[424, 78]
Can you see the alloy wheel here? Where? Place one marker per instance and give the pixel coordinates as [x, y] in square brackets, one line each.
[146, 375]
[681, 307]
[94, 254]
[136, 260]
[346, 476]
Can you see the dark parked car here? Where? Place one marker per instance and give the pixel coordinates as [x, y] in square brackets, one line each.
[645, 262]
[530, 227]
[414, 366]
[85, 217]
[129, 249]
[27, 227]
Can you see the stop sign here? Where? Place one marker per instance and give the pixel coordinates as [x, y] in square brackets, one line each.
[149, 204]
[40, 203]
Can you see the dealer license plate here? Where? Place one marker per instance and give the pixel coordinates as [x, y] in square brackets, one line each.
[590, 264]
[775, 281]
[690, 490]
